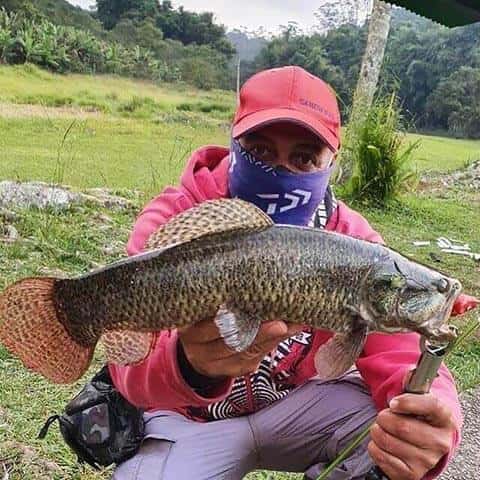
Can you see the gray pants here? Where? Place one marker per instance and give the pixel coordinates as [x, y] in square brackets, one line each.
[300, 433]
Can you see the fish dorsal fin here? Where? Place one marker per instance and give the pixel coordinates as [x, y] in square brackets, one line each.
[208, 218]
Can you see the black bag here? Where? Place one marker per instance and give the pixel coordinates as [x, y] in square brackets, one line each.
[99, 425]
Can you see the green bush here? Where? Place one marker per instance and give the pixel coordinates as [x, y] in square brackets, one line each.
[199, 72]
[204, 107]
[381, 162]
[139, 105]
[132, 49]
[66, 49]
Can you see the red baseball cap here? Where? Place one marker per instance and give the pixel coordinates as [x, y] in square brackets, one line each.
[289, 94]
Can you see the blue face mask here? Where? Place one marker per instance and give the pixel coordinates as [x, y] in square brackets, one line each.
[288, 198]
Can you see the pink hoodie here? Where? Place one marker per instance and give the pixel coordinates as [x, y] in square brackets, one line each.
[156, 383]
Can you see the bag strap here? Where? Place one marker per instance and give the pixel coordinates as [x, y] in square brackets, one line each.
[43, 432]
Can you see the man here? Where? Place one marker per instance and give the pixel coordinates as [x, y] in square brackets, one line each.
[216, 414]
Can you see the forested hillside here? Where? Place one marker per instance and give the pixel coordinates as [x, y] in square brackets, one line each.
[59, 12]
[145, 38]
[435, 70]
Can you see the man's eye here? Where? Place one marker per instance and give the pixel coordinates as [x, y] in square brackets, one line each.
[304, 159]
[260, 151]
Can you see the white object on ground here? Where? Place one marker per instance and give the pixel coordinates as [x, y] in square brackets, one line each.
[444, 242]
[475, 256]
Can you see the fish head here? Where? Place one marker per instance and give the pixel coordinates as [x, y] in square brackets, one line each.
[401, 295]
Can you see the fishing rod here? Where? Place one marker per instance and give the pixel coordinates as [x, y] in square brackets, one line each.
[420, 383]
[422, 377]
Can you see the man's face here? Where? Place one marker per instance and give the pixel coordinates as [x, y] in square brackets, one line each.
[290, 146]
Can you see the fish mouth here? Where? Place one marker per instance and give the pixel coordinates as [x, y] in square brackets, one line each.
[436, 328]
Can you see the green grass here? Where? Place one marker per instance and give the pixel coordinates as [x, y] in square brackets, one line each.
[101, 152]
[427, 218]
[440, 154]
[141, 143]
[27, 84]
[120, 152]
[144, 124]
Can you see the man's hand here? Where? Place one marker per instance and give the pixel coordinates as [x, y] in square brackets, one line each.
[411, 437]
[209, 355]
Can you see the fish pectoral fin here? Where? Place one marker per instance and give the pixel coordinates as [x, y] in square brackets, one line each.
[238, 330]
[336, 356]
[363, 313]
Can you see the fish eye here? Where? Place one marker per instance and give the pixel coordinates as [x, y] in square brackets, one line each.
[392, 281]
[396, 281]
[443, 285]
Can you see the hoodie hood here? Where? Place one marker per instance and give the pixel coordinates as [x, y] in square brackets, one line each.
[206, 175]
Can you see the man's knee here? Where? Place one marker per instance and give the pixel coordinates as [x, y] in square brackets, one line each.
[148, 464]
[355, 411]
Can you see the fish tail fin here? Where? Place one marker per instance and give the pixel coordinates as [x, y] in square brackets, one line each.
[31, 328]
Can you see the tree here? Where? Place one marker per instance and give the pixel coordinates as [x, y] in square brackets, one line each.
[378, 30]
[332, 14]
[189, 27]
[111, 11]
[310, 52]
[455, 103]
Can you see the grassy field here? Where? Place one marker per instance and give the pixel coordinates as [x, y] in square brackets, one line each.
[143, 147]
[137, 135]
[31, 85]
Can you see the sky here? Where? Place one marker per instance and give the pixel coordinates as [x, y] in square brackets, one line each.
[235, 14]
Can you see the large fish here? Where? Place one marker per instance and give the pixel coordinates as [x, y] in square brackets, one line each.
[225, 260]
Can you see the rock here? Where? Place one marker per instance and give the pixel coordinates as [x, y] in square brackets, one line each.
[11, 233]
[35, 194]
[7, 215]
[8, 233]
[468, 177]
[52, 272]
[108, 250]
[43, 195]
[23, 454]
[102, 218]
[107, 199]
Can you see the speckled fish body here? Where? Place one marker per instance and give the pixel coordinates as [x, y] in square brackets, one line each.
[302, 275]
[240, 274]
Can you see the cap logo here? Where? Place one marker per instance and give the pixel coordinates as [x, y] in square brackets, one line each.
[317, 107]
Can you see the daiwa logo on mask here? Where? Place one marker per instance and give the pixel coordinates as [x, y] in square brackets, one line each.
[288, 198]
[289, 201]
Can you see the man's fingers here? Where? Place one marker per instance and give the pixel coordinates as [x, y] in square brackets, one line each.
[413, 430]
[207, 331]
[416, 458]
[392, 467]
[209, 354]
[272, 330]
[294, 329]
[218, 349]
[428, 406]
[261, 349]
[201, 332]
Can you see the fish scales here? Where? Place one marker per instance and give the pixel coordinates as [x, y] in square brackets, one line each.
[309, 279]
[225, 260]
